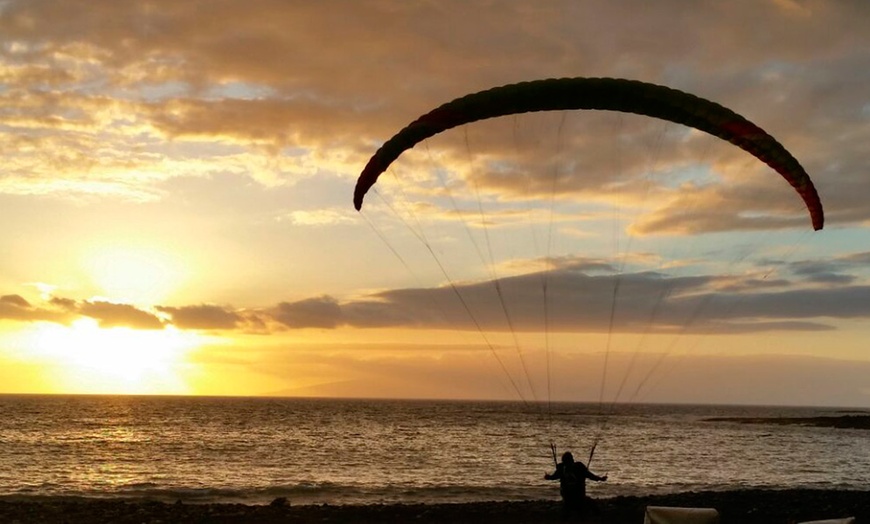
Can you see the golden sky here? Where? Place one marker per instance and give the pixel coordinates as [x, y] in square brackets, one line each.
[176, 183]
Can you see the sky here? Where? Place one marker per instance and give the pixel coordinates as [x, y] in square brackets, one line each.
[176, 198]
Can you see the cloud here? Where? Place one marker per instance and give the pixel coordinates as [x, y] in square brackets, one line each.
[319, 312]
[831, 270]
[15, 301]
[826, 302]
[695, 210]
[108, 314]
[105, 100]
[16, 307]
[585, 295]
[581, 299]
[334, 83]
[202, 317]
[64, 310]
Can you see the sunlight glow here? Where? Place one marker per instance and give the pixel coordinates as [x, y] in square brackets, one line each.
[115, 360]
[135, 274]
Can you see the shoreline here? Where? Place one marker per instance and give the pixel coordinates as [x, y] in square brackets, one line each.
[741, 506]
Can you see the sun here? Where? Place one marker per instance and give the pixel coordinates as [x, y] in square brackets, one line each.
[118, 360]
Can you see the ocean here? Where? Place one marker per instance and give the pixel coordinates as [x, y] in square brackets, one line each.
[315, 451]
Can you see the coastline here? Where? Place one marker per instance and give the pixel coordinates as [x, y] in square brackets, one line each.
[742, 506]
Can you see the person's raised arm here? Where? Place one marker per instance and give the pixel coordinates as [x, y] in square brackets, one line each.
[596, 478]
[556, 475]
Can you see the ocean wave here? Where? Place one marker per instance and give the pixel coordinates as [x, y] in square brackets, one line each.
[341, 452]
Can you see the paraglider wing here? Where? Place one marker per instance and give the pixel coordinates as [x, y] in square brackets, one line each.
[611, 94]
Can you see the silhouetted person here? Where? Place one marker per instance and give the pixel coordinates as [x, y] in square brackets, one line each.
[572, 484]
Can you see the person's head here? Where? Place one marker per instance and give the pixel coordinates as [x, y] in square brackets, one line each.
[567, 458]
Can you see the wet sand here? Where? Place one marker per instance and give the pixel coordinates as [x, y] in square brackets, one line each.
[745, 507]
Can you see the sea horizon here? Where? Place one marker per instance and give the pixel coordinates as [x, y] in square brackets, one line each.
[857, 409]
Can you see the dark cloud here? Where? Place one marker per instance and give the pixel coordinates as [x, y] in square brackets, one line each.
[63, 303]
[856, 259]
[736, 326]
[583, 295]
[202, 317]
[835, 270]
[16, 307]
[578, 301]
[754, 284]
[829, 278]
[580, 298]
[109, 314]
[319, 312]
[823, 302]
[14, 301]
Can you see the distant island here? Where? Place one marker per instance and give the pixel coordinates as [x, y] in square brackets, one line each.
[841, 421]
